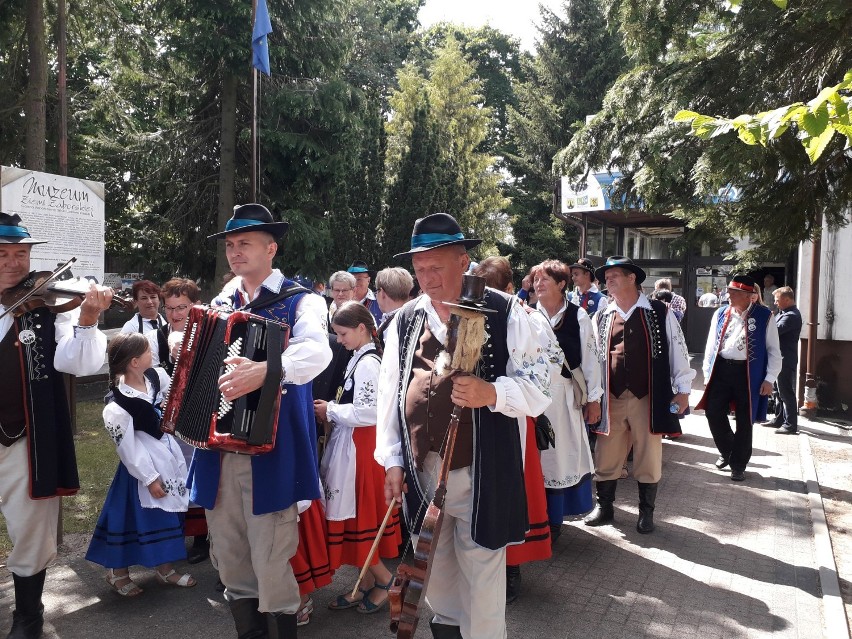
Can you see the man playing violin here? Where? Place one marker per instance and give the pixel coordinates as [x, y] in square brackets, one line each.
[37, 463]
[485, 507]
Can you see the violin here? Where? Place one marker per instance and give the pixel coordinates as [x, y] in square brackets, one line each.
[43, 289]
[411, 580]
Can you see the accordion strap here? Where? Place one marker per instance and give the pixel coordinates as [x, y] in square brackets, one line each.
[272, 383]
[263, 302]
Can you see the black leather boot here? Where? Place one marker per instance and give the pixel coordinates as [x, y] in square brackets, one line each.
[28, 617]
[513, 583]
[604, 512]
[281, 625]
[248, 620]
[647, 498]
[443, 631]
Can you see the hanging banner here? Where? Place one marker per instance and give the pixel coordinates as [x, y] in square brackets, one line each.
[66, 211]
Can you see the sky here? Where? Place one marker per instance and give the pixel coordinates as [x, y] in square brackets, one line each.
[515, 17]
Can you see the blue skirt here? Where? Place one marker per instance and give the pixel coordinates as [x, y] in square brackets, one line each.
[128, 535]
[565, 502]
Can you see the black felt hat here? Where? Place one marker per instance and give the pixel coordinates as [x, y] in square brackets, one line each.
[359, 266]
[621, 262]
[435, 231]
[584, 264]
[252, 217]
[13, 232]
[742, 283]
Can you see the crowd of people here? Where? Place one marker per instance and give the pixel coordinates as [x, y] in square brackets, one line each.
[572, 375]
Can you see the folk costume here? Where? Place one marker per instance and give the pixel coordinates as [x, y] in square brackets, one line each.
[485, 506]
[591, 301]
[139, 324]
[645, 361]
[311, 564]
[252, 553]
[369, 301]
[569, 465]
[354, 482]
[133, 527]
[742, 352]
[37, 461]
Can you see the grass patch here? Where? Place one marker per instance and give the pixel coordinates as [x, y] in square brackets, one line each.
[96, 462]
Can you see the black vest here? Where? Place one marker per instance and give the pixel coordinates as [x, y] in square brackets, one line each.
[53, 464]
[568, 335]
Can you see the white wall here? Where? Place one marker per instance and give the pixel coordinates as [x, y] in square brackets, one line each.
[835, 289]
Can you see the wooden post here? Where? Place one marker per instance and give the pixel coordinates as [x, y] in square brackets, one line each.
[253, 114]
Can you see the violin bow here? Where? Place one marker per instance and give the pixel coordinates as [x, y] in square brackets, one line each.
[372, 552]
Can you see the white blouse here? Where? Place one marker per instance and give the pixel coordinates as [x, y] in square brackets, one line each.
[364, 384]
[145, 457]
[589, 363]
[339, 461]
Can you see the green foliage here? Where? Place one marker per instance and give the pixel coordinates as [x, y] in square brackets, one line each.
[705, 59]
[815, 122]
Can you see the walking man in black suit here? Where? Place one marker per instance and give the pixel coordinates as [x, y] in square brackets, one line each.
[789, 322]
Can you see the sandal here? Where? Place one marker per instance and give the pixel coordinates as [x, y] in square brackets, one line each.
[130, 589]
[367, 607]
[185, 581]
[303, 615]
[342, 603]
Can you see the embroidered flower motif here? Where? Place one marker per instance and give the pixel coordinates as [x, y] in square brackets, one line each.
[367, 394]
[329, 493]
[115, 431]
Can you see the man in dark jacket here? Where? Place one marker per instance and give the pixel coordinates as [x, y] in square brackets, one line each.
[789, 322]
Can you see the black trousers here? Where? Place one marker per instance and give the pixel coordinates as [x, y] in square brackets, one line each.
[786, 411]
[730, 386]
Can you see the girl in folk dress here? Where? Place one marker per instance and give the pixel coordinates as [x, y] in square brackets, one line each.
[354, 481]
[140, 522]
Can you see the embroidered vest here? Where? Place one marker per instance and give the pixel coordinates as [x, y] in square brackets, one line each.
[654, 350]
[628, 357]
[428, 406]
[568, 335]
[53, 464]
[589, 301]
[13, 418]
[756, 319]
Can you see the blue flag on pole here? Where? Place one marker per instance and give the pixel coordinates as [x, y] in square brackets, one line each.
[259, 47]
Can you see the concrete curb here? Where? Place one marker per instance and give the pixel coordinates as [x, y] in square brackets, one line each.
[834, 613]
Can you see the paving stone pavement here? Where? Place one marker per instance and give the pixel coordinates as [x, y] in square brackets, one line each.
[727, 560]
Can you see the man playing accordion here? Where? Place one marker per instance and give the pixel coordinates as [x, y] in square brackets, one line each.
[253, 532]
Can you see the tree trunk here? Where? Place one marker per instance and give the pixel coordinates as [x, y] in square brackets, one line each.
[227, 168]
[34, 103]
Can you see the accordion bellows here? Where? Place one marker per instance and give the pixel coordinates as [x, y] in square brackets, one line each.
[195, 410]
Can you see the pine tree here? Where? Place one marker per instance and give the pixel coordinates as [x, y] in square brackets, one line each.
[577, 59]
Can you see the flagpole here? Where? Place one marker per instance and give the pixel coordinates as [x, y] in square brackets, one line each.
[253, 116]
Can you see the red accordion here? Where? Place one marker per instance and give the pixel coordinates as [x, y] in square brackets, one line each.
[195, 410]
